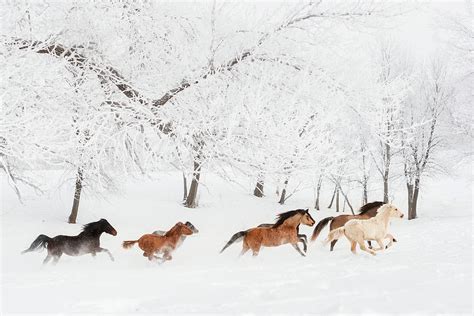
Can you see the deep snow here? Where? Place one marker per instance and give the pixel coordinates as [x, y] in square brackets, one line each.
[428, 271]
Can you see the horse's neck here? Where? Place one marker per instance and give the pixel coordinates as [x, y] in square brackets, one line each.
[174, 234]
[92, 234]
[383, 218]
[292, 222]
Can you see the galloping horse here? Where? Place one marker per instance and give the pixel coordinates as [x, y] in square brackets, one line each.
[375, 228]
[152, 244]
[367, 211]
[88, 241]
[284, 231]
[183, 237]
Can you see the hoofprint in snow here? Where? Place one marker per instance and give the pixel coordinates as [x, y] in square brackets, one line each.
[427, 271]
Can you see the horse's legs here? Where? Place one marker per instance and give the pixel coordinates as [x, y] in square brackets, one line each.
[380, 243]
[295, 245]
[389, 236]
[305, 245]
[353, 247]
[369, 243]
[333, 243]
[46, 260]
[245, 248]
[107, 251]
[56, 258]
[364, 248]
[303, 236]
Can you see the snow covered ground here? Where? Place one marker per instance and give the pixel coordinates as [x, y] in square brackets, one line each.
[428, 271]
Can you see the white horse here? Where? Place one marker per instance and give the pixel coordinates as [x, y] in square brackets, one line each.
[375, 228]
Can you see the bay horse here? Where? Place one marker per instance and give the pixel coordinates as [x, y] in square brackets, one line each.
[285, 230]
[88, 241]
[367, 211]
[183, 237]
[375, 228]
[152, 244]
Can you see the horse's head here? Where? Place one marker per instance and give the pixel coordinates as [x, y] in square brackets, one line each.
[192, 227]
[393, 211]
[106, 227]
[306, 218]
[183, 229]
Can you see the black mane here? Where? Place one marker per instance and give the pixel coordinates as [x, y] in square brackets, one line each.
[282, 217]
[367, 207]
[95, 227]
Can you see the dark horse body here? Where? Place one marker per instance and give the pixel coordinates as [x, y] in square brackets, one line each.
[367, 211]
[88, 241]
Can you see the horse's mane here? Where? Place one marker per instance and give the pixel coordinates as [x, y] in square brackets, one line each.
[367, 207]
[94, 226]
[282, 217]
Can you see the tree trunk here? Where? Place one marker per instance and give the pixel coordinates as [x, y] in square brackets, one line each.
[318, 191]
[385, 189]
[337, 201]
[346, 200]
[332, 198]
[283, 193]
[413, 191]
[185, 187]
[365, 197]
[77, 197]
[191, 200]
[258, 191]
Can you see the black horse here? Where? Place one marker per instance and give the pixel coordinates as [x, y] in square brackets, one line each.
[88, 241]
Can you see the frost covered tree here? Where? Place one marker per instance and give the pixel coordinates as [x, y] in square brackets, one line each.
[422, 137]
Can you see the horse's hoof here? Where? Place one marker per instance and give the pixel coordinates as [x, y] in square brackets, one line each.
[386, 247]
[394, 240]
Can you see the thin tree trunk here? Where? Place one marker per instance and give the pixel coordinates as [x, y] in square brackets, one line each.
[318, 191]
[385, 188]
[332, 198]
[413, 191]
[191, 200]
[365, 195]
[258, 191]
[337, 201]
[185, 187]
[283, 193]
[346, 200]
[77, 197]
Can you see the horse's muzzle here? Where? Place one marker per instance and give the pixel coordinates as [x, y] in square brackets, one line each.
[113, 232]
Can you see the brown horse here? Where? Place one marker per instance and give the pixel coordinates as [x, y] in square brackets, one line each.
[284, 231]
[152, 244]
[367, 211]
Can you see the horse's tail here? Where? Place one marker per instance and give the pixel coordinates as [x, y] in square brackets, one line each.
[40, 241]
[322, 223]
[335, 234]
[128, 243]
[237, 237]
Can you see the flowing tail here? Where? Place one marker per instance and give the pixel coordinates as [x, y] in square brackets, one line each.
[40, 241]
[237, 237]
[334, 234]
[320, 227]
[128, 243]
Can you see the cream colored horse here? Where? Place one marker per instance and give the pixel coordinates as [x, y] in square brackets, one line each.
[375, 228]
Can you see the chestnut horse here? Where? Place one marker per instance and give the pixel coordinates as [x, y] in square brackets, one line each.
[183, 237]
[367, 211]
[375, 228]
[88, 241]
[152, 244]
[284, 231]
